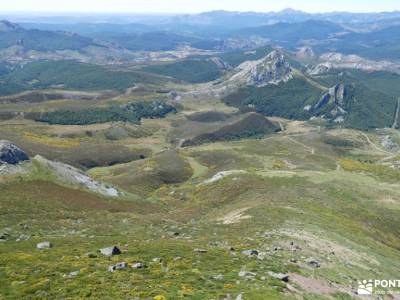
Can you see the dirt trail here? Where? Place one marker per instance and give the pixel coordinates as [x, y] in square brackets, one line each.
[374, 145]
[312, 150]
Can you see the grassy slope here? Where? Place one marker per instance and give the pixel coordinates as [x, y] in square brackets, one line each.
[291, 191]
[324, 194]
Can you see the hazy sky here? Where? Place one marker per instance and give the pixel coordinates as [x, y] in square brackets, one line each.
[185, 6]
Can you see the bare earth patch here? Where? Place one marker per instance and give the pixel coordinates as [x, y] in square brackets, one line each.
[316, 286]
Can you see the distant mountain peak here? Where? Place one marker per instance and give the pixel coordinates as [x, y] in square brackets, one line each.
[272, 69]
[291, 11]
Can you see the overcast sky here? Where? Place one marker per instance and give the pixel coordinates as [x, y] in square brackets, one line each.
[189, 6]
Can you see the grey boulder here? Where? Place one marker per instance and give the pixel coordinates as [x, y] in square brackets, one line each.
[110, 251]
[250, 253]
[11, 154]
[313, 262]
[44, 245]
[139, 265]
[280, 276]
[118, 266]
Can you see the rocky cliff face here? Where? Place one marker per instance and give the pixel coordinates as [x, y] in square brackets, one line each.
[11, 154]
[332, 102]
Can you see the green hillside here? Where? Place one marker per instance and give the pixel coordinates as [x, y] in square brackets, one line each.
[69, 75]
[287, 99]
[189, 70]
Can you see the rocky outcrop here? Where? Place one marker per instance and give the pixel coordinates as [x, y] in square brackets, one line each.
[331, 105]
[11, 154]
[342, 61]
[272, 69]
[305, 53]
[320, 69]
[335, 97]
[220, 63]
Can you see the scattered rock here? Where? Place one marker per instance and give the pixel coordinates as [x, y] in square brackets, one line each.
[247, 275]
[118, 266]
[24, 226]
[261, 255]
[139, 265]
[280, 276]
[198, 250]
[173, 233]
[91, 255]
[295, 248]
[11, 154]
[110, 251]
[3, 236]
[73, 274]
[44, 245]
[267, 234]
[239, 297]
[218, 277]
[313, 262]
[388, 143]
[250, 253]
[177, 258]
[23, 237]
[157, 260]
